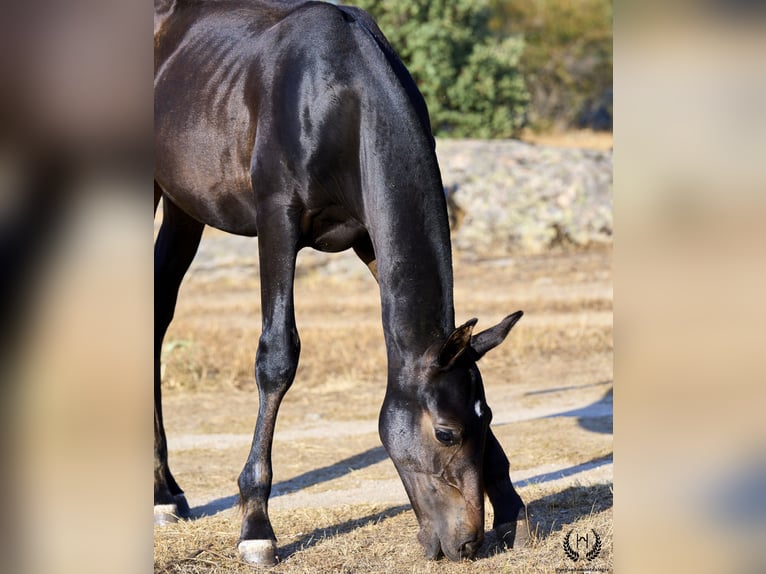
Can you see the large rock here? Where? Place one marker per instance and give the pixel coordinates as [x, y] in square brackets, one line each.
[519, 197]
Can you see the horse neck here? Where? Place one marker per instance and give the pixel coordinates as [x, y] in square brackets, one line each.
[407, 221]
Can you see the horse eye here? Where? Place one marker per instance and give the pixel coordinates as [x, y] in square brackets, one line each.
[446, 437]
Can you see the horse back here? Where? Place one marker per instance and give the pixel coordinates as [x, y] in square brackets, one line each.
[269, 102]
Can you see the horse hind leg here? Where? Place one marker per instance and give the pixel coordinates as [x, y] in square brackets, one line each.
[275, 366]
[174, 250]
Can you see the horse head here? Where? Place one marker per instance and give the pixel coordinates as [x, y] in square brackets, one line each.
[434, 424]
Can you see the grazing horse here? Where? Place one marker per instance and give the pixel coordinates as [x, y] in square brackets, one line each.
[297, 122]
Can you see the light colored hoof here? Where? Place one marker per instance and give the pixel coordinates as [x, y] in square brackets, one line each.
[165, 514]
[260, 552]
[515, 534]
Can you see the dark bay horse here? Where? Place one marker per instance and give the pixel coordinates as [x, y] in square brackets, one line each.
[297, 122]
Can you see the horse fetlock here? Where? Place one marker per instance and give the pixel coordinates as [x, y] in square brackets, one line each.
[517, 533]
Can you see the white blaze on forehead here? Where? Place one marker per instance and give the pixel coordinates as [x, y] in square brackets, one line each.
[477, 408]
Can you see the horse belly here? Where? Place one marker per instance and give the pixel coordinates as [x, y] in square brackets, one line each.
[223, 200]
[204, 168]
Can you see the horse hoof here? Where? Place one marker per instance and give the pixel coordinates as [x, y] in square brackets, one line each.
[172, 512]
[260, 552]
[515, 534]
[165, 514]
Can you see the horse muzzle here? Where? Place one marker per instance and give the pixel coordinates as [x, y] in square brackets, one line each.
[456, 551]
[449, 525]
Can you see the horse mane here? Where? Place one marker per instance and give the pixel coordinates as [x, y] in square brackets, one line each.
[366, 22]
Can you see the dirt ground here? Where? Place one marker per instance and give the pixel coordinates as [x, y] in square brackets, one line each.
[337, 503]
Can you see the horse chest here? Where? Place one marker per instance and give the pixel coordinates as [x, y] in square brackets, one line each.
[330, 229]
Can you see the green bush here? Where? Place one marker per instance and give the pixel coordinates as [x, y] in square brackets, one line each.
[470, 79]
[567, 60]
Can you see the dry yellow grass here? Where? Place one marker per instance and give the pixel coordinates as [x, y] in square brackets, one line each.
[369, 538]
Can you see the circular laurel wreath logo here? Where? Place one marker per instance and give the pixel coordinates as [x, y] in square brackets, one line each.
[574, 555]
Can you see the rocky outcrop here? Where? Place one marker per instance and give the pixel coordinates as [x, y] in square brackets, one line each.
[508, 196]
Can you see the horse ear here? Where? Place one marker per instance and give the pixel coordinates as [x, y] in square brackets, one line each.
[492, 337]
[455, 345]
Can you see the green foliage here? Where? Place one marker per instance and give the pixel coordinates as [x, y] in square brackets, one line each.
[567, 61]
[469, 78]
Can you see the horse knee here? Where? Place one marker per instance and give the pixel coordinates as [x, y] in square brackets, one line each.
[277, 361]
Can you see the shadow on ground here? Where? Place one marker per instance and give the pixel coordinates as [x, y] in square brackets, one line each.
[554, 512]
[565, 472]
[595, 417]
[305, 480]
[368, 458]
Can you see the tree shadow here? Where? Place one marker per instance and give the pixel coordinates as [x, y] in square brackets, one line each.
[595, 417]
[567, 388]
[565, 472]
[319, 534]
[305, 480]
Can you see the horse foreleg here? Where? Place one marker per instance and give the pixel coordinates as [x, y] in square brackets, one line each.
[174, 250]
[510, 522]
[275, 366]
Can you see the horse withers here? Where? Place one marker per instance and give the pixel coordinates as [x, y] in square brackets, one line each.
[296, 122]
